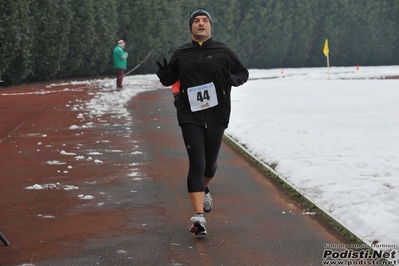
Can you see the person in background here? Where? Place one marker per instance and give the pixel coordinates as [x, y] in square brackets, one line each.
[120, 62]
[206, 69]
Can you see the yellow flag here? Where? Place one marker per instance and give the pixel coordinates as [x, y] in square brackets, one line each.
[326, 50]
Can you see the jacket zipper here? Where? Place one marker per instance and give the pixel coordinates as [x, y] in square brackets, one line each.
[200, 59]
[200, 63]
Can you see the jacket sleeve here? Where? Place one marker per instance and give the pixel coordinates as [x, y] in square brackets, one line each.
[237, 69]
[119, 53]
[173, 71]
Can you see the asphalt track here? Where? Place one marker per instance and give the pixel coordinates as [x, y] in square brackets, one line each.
[136, 210]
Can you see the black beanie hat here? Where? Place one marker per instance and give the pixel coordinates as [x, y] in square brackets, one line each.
[198, 12]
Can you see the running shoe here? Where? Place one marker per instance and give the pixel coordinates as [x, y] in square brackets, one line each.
[198, 226]
[208, 203]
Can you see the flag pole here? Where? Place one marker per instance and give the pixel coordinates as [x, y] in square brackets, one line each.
[328, 65]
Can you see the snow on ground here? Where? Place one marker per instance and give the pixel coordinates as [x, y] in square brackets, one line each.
[333, 135]
[330, 133]
[335, 140]
[105, 101]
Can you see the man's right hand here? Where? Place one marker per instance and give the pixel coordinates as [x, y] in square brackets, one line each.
[164, 74]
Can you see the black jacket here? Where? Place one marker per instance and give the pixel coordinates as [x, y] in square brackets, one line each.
[195, 65]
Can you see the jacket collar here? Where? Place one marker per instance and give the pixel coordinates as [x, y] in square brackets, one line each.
[204, 44]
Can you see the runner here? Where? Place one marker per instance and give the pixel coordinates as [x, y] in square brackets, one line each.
[206, 69]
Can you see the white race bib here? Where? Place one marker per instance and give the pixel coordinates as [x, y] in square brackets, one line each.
[202, 97]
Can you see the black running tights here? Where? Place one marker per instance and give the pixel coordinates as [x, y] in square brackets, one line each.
[203, 145]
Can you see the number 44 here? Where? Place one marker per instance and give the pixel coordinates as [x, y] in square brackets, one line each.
[203, 95]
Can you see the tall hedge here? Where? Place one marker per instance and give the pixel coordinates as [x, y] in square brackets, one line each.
[52, 39]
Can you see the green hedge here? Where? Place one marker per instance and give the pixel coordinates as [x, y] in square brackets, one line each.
[54, 39]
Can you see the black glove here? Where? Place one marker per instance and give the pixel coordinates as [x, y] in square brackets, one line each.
[232, 80]
[163, 73]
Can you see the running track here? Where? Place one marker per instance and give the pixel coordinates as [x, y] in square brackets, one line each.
[115, 193]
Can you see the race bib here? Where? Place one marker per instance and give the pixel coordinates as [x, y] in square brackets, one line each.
[202, 97]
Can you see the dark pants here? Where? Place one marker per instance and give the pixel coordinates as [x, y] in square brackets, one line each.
[203, 145]
[119, 77]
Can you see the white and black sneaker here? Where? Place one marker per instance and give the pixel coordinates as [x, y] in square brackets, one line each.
[208, 203]
[199, 223]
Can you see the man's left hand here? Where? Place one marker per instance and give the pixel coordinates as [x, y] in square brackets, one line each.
[232, 80]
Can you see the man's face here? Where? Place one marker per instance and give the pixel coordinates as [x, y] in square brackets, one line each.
[201, 28]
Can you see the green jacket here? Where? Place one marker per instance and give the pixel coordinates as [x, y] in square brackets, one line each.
[120, 57]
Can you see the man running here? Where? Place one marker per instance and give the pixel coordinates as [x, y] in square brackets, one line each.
[206, 69]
